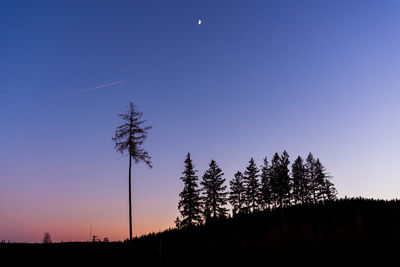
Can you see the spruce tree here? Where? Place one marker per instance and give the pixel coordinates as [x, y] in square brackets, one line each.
[280, 179]
[237, 193]
[330, 190]
[325, 188]
[284, 180]
[190, 202]
[252, 186]
[319, 180]
[311, 177]
[265, 185]
[299, 181]
[274, 172]
[214, 193]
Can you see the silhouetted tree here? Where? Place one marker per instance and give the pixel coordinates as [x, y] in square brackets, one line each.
[190, 202]
[284, 179]
[266, 197]
[129, 138]
[178, 222]
[274, 172]
[299, 181]
[325, 188]
[237, 194]
[46, 238]
[280, 179]
[214, 193]
[311, 176]
[319, 180]
[252, 186]
[330, 190]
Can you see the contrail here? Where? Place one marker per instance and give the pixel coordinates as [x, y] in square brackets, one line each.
[92, 89]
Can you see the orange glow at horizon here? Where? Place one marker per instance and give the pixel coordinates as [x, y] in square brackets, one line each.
[114, 230]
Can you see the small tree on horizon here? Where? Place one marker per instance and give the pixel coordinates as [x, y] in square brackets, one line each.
[214, 193]
[46, 238]
[237, 193]
[129, 137]
[190, 203]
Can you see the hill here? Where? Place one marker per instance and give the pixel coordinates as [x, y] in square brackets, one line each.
[343, 232]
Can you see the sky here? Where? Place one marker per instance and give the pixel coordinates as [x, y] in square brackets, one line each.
[254, 78]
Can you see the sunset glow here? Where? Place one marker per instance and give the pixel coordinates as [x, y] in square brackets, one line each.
[249, 79]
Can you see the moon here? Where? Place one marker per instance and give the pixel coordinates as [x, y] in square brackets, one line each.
[199, 22]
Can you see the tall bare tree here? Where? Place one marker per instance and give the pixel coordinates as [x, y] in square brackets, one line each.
[129, 138]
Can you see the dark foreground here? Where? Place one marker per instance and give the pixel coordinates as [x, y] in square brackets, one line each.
[348, 232]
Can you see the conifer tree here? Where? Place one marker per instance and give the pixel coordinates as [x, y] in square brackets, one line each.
[319, 180]
[265, 193]
[280, 179]
[284, 180]
[330, 190]
[299, 181]
[214, 193]
[274, 172]
[177, 222]
[237, 193]
[311, 176]
[252, 186]
[190, 202]
[325, 188]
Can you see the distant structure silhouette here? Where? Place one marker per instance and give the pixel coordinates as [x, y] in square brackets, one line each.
[129, 138]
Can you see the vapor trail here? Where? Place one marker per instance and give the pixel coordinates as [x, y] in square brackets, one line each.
[92, 89]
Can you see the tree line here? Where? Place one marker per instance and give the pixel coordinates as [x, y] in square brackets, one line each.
[271, 186]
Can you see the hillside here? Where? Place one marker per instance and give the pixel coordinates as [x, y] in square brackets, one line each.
[342, 232]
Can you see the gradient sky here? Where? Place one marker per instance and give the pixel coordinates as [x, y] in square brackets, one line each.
[254, 78]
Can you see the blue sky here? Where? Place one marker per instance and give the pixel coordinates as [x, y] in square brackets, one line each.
[254, 78]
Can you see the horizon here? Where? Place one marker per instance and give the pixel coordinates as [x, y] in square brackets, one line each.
[250, 80]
